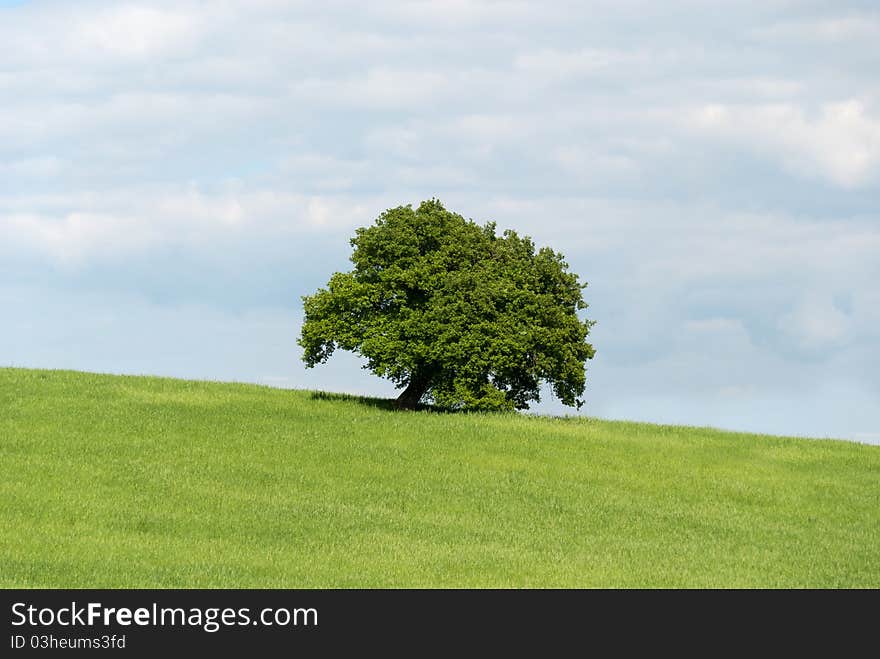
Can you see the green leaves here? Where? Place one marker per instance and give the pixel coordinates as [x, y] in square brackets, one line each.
[454, 312]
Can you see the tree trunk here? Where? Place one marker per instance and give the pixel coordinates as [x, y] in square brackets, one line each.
[415, 390]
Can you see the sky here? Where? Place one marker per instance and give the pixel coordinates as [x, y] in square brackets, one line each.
[174, 176]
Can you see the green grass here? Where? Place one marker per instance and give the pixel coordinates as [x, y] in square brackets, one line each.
[109, 481]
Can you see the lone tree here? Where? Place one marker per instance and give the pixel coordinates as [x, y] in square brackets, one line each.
[451, 312]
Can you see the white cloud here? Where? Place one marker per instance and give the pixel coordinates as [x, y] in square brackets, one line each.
[396, 140]
[842, 29]
[33, 167]
[455, 14]
[135, 31]
[73, 237]
[129, 123]
[379, 88]
[104, 36]
[840, 143]
[760, 88]
[488, 127]
[816, 323]
[587, 163]
[562, 65]
[714, 326]
[102, 229]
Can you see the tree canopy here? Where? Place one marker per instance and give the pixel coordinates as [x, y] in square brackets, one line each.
[453, 313]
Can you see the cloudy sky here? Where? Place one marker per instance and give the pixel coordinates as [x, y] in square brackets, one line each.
[175, 175]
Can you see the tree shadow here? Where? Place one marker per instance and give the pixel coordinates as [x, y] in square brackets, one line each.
[380, 403]
[387, 404]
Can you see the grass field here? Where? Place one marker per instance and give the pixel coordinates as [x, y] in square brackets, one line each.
[109, 481]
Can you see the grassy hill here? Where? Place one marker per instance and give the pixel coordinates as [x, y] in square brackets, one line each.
[109, 481]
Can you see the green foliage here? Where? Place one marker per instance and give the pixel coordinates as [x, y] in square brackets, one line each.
[453, 312]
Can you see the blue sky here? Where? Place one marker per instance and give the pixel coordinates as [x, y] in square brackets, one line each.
[175, 175]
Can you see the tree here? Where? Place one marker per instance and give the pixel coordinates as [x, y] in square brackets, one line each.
[451, 312]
